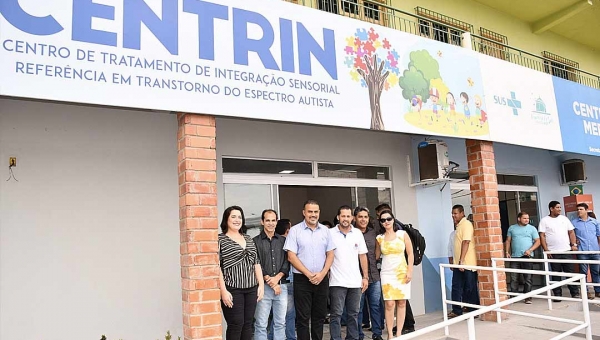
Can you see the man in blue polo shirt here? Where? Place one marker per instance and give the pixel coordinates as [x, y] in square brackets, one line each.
[587, 232]
[310, 251]
[521, 241]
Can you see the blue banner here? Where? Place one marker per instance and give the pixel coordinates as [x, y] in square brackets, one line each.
[579, 115]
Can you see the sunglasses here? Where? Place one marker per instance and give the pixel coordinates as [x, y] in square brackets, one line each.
[388, 219]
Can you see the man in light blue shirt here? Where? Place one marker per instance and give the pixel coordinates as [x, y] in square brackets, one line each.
[522, 240]
[587, 231]
[310, 251]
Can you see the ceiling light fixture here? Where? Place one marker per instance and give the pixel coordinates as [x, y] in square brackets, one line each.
[286, 171]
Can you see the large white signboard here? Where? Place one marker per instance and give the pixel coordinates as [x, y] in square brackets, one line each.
[259, 59]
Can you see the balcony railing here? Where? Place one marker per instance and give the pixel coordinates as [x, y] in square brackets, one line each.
[381, 14]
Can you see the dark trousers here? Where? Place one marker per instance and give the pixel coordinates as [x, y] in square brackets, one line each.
[514, 277]
[348, 299]
[565, 268]
[240, 317]
[464, 289]
[311, 307]
[409, 319]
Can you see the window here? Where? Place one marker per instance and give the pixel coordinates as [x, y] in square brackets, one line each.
[353, 171]
[330, 6]
[516, 180]
[493, 44]
[257, 166]
[501, 179]
[369, 11]
[560, 67]
[441, 27]
[350, 6]
[372, 11]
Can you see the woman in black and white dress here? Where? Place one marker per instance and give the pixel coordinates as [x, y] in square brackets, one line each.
[240, 279]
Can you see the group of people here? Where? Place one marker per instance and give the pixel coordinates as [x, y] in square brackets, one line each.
[556, 233]
[292, 272]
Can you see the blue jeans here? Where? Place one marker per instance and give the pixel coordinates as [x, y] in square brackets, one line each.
[373, 297]
[263, 309]
[290, 315]
[594, 268]
[344, 297]
[464, 289]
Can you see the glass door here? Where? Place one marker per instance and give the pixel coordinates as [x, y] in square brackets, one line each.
[253, 198]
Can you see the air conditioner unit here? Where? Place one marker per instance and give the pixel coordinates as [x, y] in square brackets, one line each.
[573, 171]
[433, 160]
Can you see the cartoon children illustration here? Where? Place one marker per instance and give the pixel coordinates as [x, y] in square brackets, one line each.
[451, 102]
[479, 112]
[434, 94]
[416, 103]
[465, 101]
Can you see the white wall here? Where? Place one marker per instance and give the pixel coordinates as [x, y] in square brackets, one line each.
[237, 137]
[89, 235]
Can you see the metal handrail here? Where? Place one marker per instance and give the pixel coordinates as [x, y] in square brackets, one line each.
[392, 17]
[497, 307]
[492, 41]
[548, 260]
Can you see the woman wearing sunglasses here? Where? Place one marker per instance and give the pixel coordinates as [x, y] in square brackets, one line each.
[396, 269]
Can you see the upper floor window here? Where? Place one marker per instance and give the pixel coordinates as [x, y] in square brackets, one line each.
[560, 67]
[441, 27]
[370, 11]
[494, 44]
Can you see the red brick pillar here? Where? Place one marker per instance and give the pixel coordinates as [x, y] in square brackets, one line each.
[198, 227]
[486, 217]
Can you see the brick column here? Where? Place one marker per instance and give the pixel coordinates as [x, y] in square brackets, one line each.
[486, 217]
[198, 227]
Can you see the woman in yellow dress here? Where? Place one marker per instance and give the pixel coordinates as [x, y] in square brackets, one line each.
[396, 270]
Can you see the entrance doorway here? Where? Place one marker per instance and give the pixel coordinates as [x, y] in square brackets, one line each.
[291, 198]
[516, 193]
[256, 185]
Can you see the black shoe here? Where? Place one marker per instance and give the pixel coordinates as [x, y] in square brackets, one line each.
[407, 330]
[366, 325]
[377, 337]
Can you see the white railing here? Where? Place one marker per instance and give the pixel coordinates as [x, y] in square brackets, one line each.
[497, 307]
[550, 260]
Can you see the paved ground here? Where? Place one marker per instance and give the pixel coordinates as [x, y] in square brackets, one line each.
[515, 327]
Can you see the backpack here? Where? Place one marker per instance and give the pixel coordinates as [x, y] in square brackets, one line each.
[418, 242]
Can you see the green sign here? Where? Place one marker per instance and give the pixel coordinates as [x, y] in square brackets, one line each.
[575, 190]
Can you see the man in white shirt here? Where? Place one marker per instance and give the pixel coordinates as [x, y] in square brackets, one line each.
[556, 233]
[346, 284]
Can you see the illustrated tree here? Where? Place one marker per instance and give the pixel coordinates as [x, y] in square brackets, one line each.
[421, 71]
[413, 83]
[374, 64]
[424, 62]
